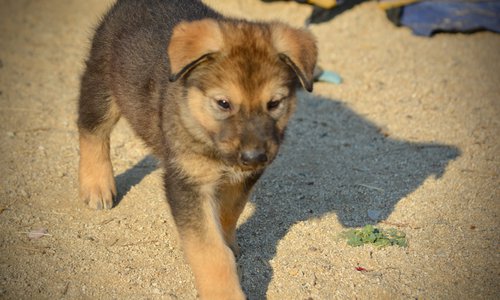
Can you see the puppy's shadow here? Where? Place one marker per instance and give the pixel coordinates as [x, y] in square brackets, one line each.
[126, 180]
[333, 161]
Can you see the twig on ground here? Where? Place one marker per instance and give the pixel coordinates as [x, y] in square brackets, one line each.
[370, 187]
[139, 243]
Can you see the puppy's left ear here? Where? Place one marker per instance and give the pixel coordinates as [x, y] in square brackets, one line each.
[191, 44]
[297, 48]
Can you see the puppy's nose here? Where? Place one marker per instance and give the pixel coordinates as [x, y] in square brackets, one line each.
[253, 157]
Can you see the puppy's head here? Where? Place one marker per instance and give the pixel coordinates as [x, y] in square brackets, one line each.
[239, 80]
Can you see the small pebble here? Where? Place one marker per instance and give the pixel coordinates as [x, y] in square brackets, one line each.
[24, 194]
[37, 233]
[330, 77]
[374, 214]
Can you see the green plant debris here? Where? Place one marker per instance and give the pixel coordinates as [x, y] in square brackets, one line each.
[375, 236]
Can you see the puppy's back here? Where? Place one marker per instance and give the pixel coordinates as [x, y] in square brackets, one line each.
[134, 35]
[129, 56]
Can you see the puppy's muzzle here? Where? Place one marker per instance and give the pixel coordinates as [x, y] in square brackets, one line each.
[253, 158]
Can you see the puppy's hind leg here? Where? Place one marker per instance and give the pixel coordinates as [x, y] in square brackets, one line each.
[97, 115]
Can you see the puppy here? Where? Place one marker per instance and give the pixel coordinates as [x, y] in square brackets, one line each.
[211, 96]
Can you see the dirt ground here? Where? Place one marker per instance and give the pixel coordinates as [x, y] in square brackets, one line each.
[412, 134]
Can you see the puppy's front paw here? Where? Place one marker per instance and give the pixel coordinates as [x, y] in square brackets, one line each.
[97, 186]
[98, 196]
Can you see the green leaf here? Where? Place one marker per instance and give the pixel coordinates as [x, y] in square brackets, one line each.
[375, 236]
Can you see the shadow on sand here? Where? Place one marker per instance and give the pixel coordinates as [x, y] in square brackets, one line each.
[333, 161]
[126, 180]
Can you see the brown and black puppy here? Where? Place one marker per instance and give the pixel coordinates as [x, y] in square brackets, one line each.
[211, 96]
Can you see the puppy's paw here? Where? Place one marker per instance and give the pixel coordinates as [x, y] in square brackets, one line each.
[98, 197]
[97, 188]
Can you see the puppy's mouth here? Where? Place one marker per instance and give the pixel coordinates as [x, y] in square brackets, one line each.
[244, 167]
[248, 161]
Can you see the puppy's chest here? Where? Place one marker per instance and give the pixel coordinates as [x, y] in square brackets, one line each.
[235, 175]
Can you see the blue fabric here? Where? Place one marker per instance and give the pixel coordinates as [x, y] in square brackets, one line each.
[427, 17]
[330, 76]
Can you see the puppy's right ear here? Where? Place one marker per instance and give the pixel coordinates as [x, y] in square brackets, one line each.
[191, 44]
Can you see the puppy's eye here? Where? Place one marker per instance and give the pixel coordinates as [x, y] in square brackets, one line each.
[223, 104]
[273, 104]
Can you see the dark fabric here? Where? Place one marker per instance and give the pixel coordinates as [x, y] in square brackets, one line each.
[428, 17]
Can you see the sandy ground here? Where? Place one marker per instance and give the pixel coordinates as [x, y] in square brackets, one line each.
[413, 133]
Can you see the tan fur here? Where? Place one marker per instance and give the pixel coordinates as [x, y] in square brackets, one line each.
[297, 44]
[198, 107]
[232, 200]
[212, 262]
[97, 184]
[199, 169]
[192, 40]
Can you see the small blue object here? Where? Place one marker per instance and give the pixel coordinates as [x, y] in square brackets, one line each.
[331, 77]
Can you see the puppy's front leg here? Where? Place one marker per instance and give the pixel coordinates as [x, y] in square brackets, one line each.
[211, 260]
[232, 199]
